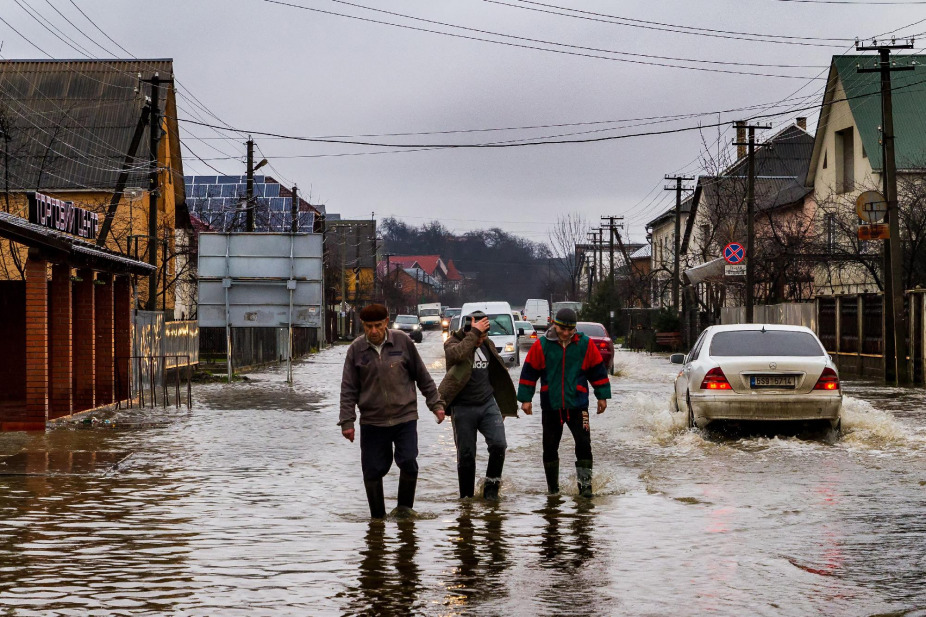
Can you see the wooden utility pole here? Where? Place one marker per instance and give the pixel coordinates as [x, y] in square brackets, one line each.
[249, 187]
[154, 138]
[896, 366]
[750, 215]
[294, 211]
[678, 188]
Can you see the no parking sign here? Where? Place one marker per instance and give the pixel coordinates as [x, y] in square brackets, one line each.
[734, 253]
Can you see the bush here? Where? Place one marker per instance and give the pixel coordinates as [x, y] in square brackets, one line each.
[666, 320]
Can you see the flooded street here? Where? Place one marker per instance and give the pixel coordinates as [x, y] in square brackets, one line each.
[253, 504]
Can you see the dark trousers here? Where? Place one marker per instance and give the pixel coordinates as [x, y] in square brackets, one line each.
[553, 421]
[376, 454]
[486, 419]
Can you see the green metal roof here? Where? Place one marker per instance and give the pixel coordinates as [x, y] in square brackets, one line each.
[908, 90]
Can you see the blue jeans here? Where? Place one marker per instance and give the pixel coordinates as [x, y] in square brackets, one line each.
[486, 419]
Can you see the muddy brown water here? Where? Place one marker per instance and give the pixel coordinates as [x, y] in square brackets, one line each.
[252, 504]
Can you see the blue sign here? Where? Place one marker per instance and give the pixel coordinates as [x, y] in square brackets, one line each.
[734, 253]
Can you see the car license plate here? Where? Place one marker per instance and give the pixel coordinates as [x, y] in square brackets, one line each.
[773, 381]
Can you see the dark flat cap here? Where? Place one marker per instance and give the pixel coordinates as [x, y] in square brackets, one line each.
[565, 317]
[374, 312]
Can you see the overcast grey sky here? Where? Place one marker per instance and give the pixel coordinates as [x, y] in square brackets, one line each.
[276, 68]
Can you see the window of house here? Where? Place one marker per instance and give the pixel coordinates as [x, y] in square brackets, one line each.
[845, 160]
[825, 165]
[705, 233]
[829, 226]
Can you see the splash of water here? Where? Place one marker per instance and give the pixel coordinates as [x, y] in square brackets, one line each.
[865, 426]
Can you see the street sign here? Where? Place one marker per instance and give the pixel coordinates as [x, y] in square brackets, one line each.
[875, 231]
[735, 270]
[734, 253]
[871, 206]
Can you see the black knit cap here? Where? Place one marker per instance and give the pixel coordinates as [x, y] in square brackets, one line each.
[374, 312]
[565, 317]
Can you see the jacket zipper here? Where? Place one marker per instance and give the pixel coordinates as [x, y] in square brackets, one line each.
[563, 385]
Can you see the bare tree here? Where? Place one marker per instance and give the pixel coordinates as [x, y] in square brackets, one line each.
[568, 231]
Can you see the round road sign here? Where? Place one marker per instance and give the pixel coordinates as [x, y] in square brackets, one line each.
[734, 253]
[871, 206]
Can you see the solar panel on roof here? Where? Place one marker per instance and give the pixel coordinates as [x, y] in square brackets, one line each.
[228, 179]
[273, 190]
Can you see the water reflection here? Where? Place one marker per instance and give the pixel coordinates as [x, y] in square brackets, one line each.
[566, 541]
[389, 579]
[481, 557]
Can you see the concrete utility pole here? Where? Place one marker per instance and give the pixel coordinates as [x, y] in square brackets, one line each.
[678, 188]
[612, 233]
[896, 367]
[750, 214]
[592, 237]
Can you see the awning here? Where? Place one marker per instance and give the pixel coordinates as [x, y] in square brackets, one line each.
[708, 272]
[57, 246]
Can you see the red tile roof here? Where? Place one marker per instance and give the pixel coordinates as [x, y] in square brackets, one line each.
[452, 273]
[428, 263]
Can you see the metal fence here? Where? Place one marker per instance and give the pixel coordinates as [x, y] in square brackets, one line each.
[788, 313]
[160, 347]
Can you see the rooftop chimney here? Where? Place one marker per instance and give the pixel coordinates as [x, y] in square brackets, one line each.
[801, 122]
[740, 139]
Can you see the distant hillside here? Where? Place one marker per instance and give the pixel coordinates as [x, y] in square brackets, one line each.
[505, 266]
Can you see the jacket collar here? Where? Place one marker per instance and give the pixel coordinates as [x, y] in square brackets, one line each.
[551, 335]
[390, 339]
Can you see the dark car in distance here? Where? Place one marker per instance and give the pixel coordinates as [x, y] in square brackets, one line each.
[600, 339]
[410, 325]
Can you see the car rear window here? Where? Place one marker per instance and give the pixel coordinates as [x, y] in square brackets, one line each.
[765, 343]
[406, 319]
[592, 329]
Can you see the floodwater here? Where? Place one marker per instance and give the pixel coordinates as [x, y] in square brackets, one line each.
[253, 504]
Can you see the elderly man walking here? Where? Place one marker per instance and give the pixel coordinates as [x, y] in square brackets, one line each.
[479, 393]
[565, 362]
[381, 371]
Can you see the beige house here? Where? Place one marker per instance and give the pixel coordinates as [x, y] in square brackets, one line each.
[847, 160]
[661, 236]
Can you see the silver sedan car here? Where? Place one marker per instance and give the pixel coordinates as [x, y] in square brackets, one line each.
[757, 372]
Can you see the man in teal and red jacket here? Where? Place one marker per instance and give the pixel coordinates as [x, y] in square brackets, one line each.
[566, 363]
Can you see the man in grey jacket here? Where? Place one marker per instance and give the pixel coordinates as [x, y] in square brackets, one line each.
[381, 371]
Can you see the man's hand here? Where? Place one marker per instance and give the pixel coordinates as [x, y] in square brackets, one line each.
[482, 326]
[440, 414]
[527, 408]
[602, 405]
[348, 434]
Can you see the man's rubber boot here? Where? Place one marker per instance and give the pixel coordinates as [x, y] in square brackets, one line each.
[406, 499]
[551, 469]
[493, 476]
[584, 478]
[375, 498]
[467, 477]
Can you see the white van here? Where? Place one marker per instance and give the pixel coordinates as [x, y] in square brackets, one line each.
[501, 328]
[429, 315]
[537, 311]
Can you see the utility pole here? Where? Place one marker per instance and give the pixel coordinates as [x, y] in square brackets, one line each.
[154, 138]
[592, 237]
[612, 229]
[896, 367]
[249, 200]
[750, 214]
[678, 188]
[294, 210]
[386, 279]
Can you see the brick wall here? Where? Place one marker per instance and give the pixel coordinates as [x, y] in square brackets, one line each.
[122, 335]
[59, 347]
[103, 307]
[83, 342]
[34, 415]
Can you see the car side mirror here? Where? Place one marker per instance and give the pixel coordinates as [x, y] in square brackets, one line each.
[520, 331]
[677, 358]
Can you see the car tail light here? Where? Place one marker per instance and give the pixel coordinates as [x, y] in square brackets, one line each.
[715, 380]
[533, 335]
[829, 380]
[602, 345]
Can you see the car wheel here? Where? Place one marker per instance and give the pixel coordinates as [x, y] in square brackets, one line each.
[517, 357]
[611, 367]
[691, 420]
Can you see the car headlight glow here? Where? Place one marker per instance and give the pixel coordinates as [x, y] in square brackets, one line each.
[417, 327]
[509, 346]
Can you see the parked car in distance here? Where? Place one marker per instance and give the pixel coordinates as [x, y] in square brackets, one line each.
[758, 372]
[448, 315]
[408, 324]
[600, 339]
[537, 311]
[501, 328]
[526, 334]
